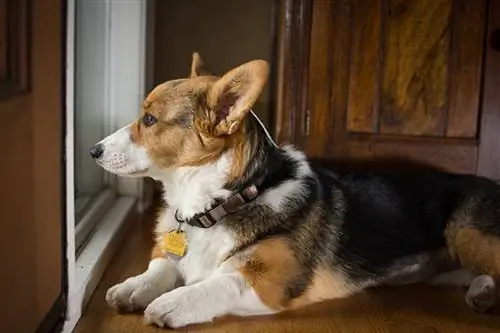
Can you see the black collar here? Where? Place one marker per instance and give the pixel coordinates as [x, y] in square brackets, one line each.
[210, 217]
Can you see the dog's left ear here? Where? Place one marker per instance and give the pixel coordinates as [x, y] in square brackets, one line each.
[198, 66]
[234, 94]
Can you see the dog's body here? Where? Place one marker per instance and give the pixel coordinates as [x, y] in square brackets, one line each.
[307, 236]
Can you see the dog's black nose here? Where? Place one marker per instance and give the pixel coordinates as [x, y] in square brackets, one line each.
[96, 151]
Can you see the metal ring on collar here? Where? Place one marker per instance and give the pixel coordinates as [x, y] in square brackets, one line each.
[177, 218]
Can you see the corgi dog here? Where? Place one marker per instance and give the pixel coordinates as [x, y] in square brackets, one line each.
[252, 228]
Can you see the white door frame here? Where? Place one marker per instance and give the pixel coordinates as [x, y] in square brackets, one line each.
[127, 75]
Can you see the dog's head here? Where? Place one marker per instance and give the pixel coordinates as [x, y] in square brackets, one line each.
[184, 122]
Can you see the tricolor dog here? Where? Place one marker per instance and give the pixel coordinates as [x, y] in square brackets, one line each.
[250, 228]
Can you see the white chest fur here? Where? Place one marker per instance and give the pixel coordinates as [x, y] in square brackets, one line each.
[192, 190]
[206, 248]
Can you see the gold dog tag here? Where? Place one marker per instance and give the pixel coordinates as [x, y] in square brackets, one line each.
[175, 242]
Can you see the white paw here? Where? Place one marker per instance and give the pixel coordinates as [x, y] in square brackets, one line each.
[136, 293]
[482, 294]
[178, 308]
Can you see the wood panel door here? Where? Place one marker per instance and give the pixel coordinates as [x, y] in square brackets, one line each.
[31, 205]
[393, 80]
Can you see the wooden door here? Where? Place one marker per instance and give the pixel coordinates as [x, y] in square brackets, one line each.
[31, 204]
[393, 80]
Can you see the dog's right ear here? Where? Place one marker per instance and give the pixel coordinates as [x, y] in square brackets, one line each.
[197, 66]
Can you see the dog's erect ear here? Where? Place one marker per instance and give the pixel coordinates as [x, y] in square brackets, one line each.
[197, 66]
[233, 96]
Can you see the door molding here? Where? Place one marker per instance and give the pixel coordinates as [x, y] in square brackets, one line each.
[292, 63]
[489, 139]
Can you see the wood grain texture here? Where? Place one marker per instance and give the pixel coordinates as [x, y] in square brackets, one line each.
[320, 77]
[466, 63]
[416, 49]
[365, 68]
[418, 308]
[425, 93]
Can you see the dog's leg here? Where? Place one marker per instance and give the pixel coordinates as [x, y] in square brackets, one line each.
[219, 295]
[482, 293]
[137, 292]
[458, 278]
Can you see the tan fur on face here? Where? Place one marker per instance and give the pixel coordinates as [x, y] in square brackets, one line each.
[200, 117]
[178, 138]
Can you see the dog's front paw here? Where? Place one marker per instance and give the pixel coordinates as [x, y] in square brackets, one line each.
[134, 293]
[175, 309]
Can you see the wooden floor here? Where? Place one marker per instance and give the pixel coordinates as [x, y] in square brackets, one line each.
[411, 309]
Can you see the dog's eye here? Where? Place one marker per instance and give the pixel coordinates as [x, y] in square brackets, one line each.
[149, 120]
